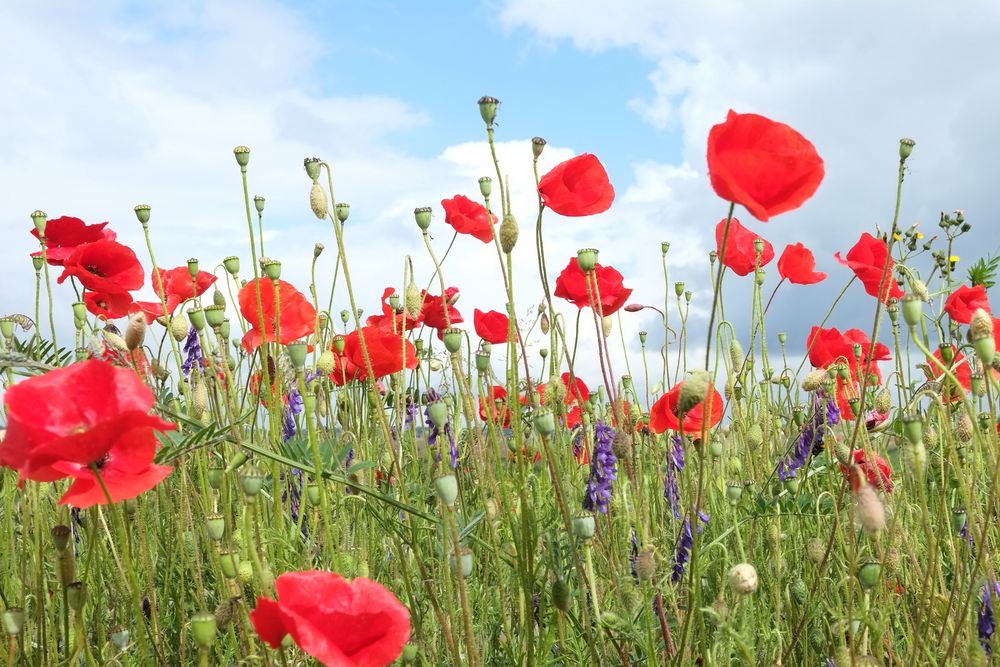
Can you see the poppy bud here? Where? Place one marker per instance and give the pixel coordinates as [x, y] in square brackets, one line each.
[179, 327]
[607, 326]
[759, 275]
[438, 413]
[560, 595]
[135, 331]
[142, 213]
[584, 526]
[905, 148]
[544, 422]
[343, 211]
[13, 621]
[868, 574]
[452, 339]
[317, 201]
[223, 331]
[586, 259]
[464, 563]
[312, 165]
[38, 218]
[423, 217]
[486, 186]
[508, 233]
[963, 427]
[959, 517]
[912, 310]
[981, 335]
[214, 475]
[204, 629]
[488, 109]
[743, 579]
[947, 352]
[242, 155]
[214, 315]
[232, 264]
[446, 487]
[869, 510]
[537, 146]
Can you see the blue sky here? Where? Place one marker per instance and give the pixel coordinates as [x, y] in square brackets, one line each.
[442, 56]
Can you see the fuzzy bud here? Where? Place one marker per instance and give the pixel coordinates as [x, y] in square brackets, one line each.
[736, 355]
[607, 326]
[869, 510]
[693, 391]
[981, 335]
[135, 331]
[743, 579]
[813, 381]
[815, 549]
[508, 233]
[645, 564]
[317, 201]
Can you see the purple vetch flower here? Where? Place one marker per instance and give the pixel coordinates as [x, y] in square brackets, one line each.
[288, 425]
[578, 444]
[985, 622]
[192, 348]
[675, 463]
[684, 543]
[411, 412]
[602, 470]
[811, 437]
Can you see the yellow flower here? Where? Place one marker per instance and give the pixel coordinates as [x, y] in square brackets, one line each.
[953, 259]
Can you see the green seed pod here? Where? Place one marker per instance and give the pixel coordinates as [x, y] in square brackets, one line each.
[452, 339]
[561, 595]
[215, 525]
[586, 259]
[232, 264]
[423, 217]
[868, 574]
[67, 567]
[204, 629]
[446, 487]
[584, 526]
[76, 595]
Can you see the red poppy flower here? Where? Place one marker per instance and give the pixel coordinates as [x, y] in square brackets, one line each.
[830, 346]
[959, 367]
[875, 469]
[663, 415]
[740, 255]
[341, 623]
[468, 217]
[797, 265]
[104, 266]
[433, 311]
[101, 417]
[177, 283]
[390, 320]
[868, 261]
[766, 166]
[388, 352]
[63, 235]
[572, 286]
[576, 395]
[295, 318]
[109, 305]
[964, 301]
[577, 187]
[494, 408]
[491, 325]
[154, 309]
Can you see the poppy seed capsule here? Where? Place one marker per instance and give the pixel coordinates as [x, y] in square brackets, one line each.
[142, 213]
[537, 146]
[486, 186]
[312, 165]
[60, 536]
[242, 155]
[452, 338]
[215, 315]
[488, 109]
[906, 148]
[192, 265]
[232, 264]
[508, 233]
[258, 203]
[197, 318]
[584, 526]
[868, 574]
[446, 487]
[423, 217]
[203, 627]
[912, 310]
[586, 259]
[343, 211]
[76, 595]
[37, 262]
[544, 422]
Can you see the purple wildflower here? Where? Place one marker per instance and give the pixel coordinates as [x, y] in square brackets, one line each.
[675, 463]
[192, 348]
[684, 543]
[292, 493]
[984, 617]
[578, 444]
[811, 438]
[602, 470]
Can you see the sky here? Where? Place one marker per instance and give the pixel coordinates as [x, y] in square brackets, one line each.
[117, 103]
